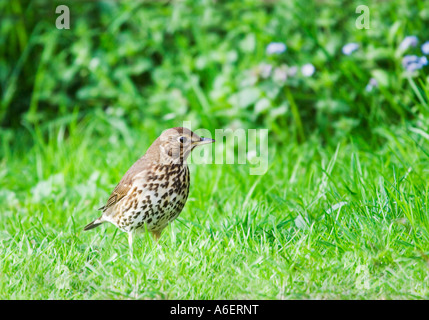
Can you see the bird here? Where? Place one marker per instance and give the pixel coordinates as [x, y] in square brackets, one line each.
[154, 190]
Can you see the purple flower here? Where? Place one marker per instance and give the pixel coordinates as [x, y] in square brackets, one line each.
[276, 48]
[307, 70]
[349, 48]
[425, 47]
[410, 41]
[409, 59]
[412, 62]
[371, 85]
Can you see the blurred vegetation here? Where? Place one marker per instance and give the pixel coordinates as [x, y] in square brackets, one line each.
[151, 61]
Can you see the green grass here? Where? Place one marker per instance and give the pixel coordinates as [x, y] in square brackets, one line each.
[239, 236]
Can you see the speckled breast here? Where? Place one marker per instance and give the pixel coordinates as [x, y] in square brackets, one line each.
[163, 195]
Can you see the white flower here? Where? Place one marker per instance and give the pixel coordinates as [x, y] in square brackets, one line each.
[425, 47]
[349, 48]
[276, 48]
[292, 71]
[410, 41]
[371, 85]
[265, 70]
[308, 70]
[280, 74]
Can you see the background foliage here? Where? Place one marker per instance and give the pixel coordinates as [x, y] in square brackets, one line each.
[178, 60]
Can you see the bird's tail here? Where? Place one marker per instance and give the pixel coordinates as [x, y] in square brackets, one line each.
[93, 224]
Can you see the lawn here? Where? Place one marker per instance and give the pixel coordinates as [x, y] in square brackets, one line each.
[325, 223]
[341, 212]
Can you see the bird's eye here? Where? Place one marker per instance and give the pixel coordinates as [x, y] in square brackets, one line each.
[182, 139]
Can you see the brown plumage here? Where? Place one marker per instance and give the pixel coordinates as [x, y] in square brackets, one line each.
[154, 190]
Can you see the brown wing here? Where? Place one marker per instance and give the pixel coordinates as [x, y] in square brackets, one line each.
[125, 184]
[118, 193]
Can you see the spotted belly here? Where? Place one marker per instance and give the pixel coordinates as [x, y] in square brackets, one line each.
[156, 205]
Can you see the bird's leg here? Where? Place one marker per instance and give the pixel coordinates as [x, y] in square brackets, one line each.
[156, 235]
[130, 242]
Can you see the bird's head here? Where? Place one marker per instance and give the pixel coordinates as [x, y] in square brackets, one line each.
[176, 144]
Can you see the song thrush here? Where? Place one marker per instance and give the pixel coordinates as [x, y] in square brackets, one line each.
[154, 190]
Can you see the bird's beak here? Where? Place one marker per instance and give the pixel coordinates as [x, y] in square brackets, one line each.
[202, 141]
